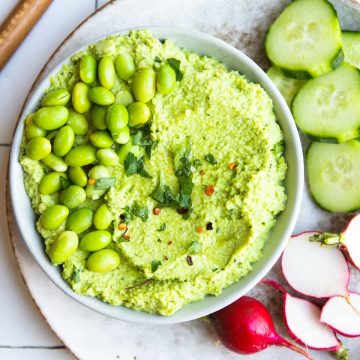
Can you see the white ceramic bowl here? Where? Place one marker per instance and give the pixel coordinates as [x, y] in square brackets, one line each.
[234, 59]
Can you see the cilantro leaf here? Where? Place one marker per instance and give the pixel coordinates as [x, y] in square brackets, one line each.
[134, 165]
[136, 211]
[210, 159]
[75, 276]
[104, 183]
[142, 138]
[157, 59]
[175, 64]
[154, 265]
[162, 227]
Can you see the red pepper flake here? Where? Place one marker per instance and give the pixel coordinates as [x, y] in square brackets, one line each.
[202, 172]
[209, 226]
[166, 258]
[156, 211]
[122, 226]
[199, 229]
[169, 242]
[232, 165]
[189, 260]
[92, 181]
[126, 237]
[209, 190]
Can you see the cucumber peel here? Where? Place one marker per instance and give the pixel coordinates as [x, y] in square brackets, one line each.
[351, 47]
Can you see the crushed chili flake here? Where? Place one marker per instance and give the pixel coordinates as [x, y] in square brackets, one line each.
[156, 211]
[199, 229]
[122, 226]
[189, 260]
[201, 172]
[209, 226]
[166, 258]
[232, 165]
[209, 190]
[92, 181]
[126, 237]
[169, 242]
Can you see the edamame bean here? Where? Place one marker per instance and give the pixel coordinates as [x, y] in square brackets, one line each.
[122, 136]
[78, 123]
[51, 117]
[63, 141]
[101, 139]
[166, 79]
[95, 240]
[87, 69]
[125, 66]
[73, 196]
[139, 113]
[80, 220]
[103, 260]
[124, 97]
[56, 97]
[144, 85]
[95, 173]
[31, 130]
[107, 157]
[55, 163]
[38, 148]
[103, 217]
[117, 118]
[101, 96]
[78, 176]
[80, 99]
[63, 247]
[106, 72]
[98, 117]
[51, 183]
[81, 155]
[54, 216]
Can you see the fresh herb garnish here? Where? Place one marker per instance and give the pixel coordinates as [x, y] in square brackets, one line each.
[134, 165]
[157, 59]
[75, 276]
[142, 138]
[279, 147]
[197, 163]
[162, 227]
[175, 64]
[154, 265]
[195, 248]
[104, 183]
[210, 159]
[136, 211]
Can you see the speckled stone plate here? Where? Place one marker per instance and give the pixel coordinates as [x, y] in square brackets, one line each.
[89, 335]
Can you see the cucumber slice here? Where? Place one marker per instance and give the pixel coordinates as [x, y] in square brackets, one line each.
[351, 47]
[329, 106]
[305, 40]
[333, 174]
[287, 86]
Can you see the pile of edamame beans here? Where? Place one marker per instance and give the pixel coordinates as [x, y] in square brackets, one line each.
[51, 133]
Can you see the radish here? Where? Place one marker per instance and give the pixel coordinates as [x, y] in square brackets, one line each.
[347, 241]
[314, 270]
[246, 327]
[302, 319]
[343, 315]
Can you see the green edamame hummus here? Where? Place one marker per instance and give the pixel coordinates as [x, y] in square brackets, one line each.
[196, 189]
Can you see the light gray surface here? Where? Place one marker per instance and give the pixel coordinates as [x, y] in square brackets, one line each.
[241, 23]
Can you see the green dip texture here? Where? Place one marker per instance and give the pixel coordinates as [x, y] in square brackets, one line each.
[220, 129]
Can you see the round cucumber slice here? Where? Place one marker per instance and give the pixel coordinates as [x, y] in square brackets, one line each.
[287, 86]
[329, 106]
[351, 47]
[305, 40]
[333, 174]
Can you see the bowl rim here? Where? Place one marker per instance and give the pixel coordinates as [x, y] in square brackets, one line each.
[124, 313]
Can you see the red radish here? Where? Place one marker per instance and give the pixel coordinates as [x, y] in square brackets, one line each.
[246, 327]
[343, 315]
[348, 241]
[302, 319]
[314, 270]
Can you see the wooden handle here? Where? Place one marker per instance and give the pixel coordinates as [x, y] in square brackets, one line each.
[18, 24]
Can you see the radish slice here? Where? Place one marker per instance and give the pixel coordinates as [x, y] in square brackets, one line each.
[350, 240]
[342, 316]
[302, 319]
[314, 270]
